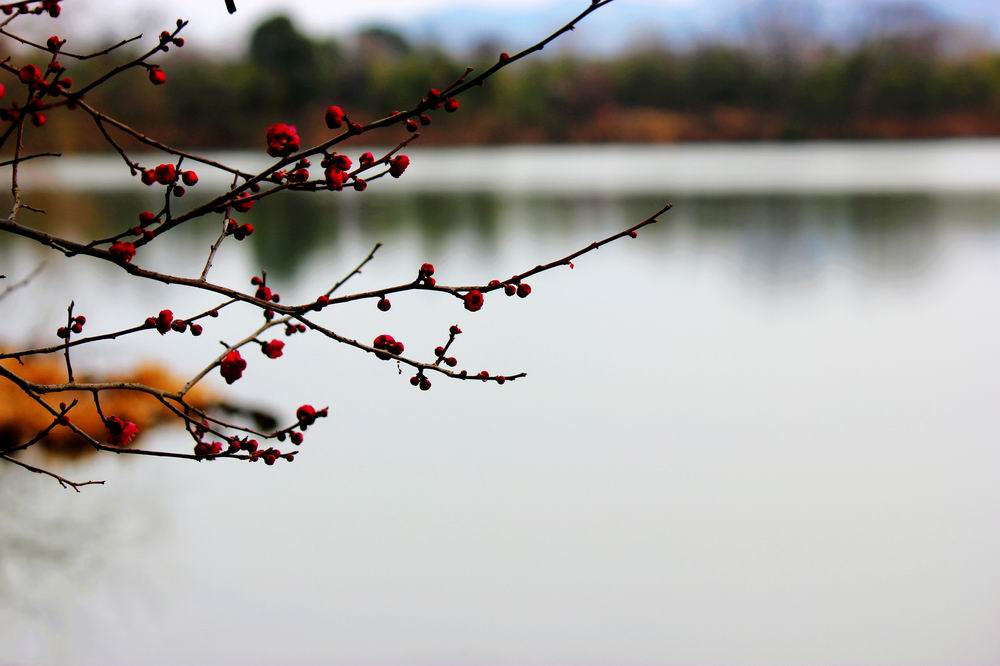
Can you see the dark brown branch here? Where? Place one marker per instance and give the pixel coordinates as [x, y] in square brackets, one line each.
[63, 481]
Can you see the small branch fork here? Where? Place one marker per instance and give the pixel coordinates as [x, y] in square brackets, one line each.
[288, 174]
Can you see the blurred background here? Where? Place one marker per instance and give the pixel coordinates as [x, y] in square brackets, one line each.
[764, 432]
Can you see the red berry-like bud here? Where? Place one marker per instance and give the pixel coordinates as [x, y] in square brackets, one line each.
[425, 384]
[415, 380]
[384, 304]
[335, 117]
[165, 174]
[196, 329]
[425, 119]
[38, 119]
[282, 140]
[232, 366]
[451, 361]
[454, 329]
[411, 124]
[120, 431]
[178, 325]
[342, 162]
[146, 218]
[509, 289]
[62, 332]
[273, 348]
[360, 184]
[397, 165]
[295, 437]
[190, 178]
[335, 178]
[451, 105]
[504, 57]
[366, 159]
[243, 202]
[523, 290]
[474, 300]
[53, 43]
[29, 74]
[157, 76]
[306, 415]
[163, 321]
[439, 351]
[122, 251]
[426, 270]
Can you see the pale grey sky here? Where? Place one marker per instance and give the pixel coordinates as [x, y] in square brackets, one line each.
[211, 24]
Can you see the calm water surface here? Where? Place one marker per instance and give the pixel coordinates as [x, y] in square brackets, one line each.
[765, 432]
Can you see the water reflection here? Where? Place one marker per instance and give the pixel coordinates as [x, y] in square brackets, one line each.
[810, 444]
[782, 242]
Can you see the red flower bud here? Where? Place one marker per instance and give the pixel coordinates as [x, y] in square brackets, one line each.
[282, 140]
[397, 165]
[157, 76]
[273, 348]
[165, 174]
[120, 431]
[335, 117]
[122, 251]
[232, 366]
[474, 300]
[29, 74]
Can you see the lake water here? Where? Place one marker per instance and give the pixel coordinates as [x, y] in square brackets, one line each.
[764, 432]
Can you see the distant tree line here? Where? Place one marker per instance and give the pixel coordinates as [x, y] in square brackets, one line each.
[782, 83]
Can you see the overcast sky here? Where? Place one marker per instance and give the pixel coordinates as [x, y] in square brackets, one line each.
[210, 23]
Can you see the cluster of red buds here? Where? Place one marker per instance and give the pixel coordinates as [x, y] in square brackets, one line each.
[75, 326]
[307, 415]
[165, 322]
[335, 171]
[514, 286]
[237, 230]
[169, 174]
[386, 344]
[425, 275]
[50, 7]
